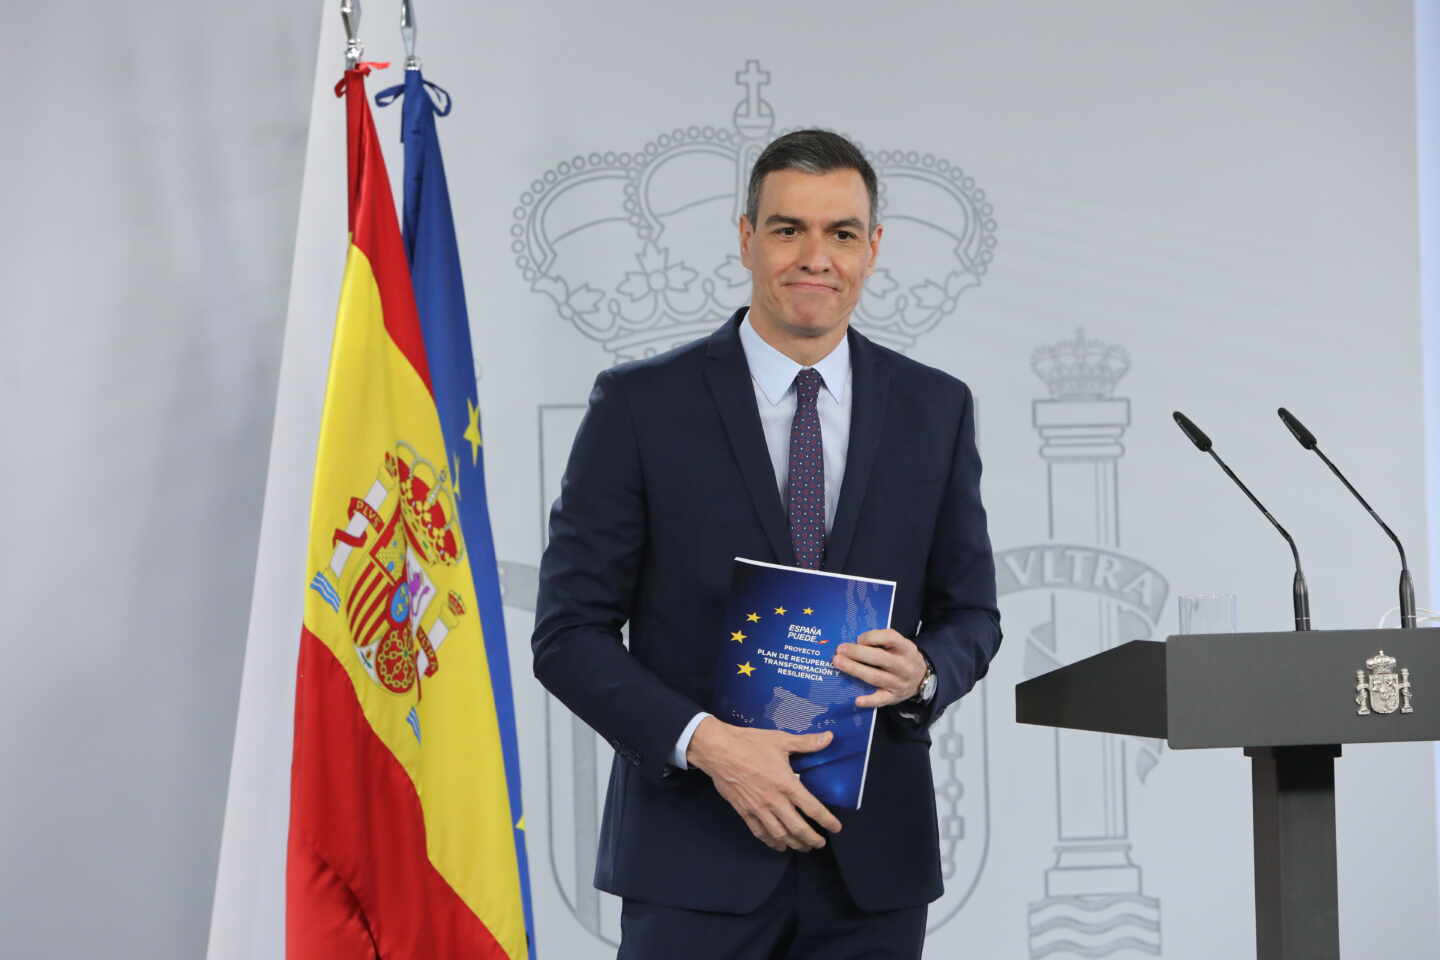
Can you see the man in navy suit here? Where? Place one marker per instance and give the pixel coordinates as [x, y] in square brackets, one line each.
[713, 451]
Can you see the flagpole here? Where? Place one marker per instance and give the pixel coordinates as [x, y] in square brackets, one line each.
[407, 34]
[354, 49]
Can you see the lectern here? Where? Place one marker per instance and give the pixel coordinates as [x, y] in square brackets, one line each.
[1290, 700]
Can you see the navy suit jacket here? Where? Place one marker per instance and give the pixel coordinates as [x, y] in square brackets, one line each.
[668, 481]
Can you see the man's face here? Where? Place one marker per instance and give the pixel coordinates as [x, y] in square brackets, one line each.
[810, 251]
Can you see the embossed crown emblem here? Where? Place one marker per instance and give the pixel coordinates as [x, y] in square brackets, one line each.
[638, 250]
[1382, 662]
[1080, 369]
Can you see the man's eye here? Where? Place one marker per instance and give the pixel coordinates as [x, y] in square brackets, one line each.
[844, 235]
[786, 231]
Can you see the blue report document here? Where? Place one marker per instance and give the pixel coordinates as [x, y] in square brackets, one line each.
[774, 671]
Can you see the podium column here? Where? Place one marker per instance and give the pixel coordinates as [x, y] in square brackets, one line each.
[1297, 915]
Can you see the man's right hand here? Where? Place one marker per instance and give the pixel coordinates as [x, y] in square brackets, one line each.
[751, 770]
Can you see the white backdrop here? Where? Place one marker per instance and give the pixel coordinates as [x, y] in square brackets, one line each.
[1223, 199]
[150, 184]
[1225, 192]
[1427, 128]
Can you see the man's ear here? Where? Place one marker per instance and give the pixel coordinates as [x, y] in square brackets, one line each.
[747, 233]
[875, 236]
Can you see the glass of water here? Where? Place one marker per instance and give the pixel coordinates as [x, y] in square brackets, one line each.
[1207, 612]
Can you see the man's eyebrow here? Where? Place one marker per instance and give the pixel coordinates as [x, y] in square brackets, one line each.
[849, 223]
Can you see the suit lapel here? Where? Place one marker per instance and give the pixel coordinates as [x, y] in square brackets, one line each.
[729, 379]
[870, 381]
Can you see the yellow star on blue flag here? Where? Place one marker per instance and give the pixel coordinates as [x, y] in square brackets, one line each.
[472, 431]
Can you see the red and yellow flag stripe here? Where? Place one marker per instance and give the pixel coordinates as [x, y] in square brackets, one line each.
[401, 834]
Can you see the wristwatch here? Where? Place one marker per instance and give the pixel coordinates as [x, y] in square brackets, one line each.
[928, 683]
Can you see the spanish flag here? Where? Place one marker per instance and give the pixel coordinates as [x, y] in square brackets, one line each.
[402, 837]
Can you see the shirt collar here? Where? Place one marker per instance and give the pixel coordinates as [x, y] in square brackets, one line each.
[775, 373]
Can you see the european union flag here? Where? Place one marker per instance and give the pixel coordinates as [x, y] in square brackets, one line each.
[434, 256]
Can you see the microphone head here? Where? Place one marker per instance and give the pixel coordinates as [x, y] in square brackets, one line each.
[1196, 435]
[1306, 438]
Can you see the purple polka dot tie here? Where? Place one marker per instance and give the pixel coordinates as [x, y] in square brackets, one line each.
[807, 473]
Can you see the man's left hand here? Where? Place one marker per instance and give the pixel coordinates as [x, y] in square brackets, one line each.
[889, 662]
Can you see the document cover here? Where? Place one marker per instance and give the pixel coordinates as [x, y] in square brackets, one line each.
[781, 630]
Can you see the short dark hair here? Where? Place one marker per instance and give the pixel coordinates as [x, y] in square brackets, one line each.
[811, 151]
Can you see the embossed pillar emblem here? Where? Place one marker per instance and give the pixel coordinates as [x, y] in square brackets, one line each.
[1093, 904]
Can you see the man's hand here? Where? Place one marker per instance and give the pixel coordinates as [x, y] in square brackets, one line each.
[889, 662]
[751, 770]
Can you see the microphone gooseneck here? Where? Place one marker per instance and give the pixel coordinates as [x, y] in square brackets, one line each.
[1407, 587]
[1300, 594]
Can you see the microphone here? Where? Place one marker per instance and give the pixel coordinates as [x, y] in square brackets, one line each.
[1407, 588]
[1301, 594]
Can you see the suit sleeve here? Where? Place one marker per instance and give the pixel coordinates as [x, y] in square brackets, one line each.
[960, 624]
[588, 580]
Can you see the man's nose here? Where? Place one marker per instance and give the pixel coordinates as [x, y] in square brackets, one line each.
[814, 257]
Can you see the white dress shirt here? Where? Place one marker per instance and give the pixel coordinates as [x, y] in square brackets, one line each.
[772, 374]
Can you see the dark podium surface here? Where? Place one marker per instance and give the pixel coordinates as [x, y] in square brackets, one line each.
[1288, 699]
